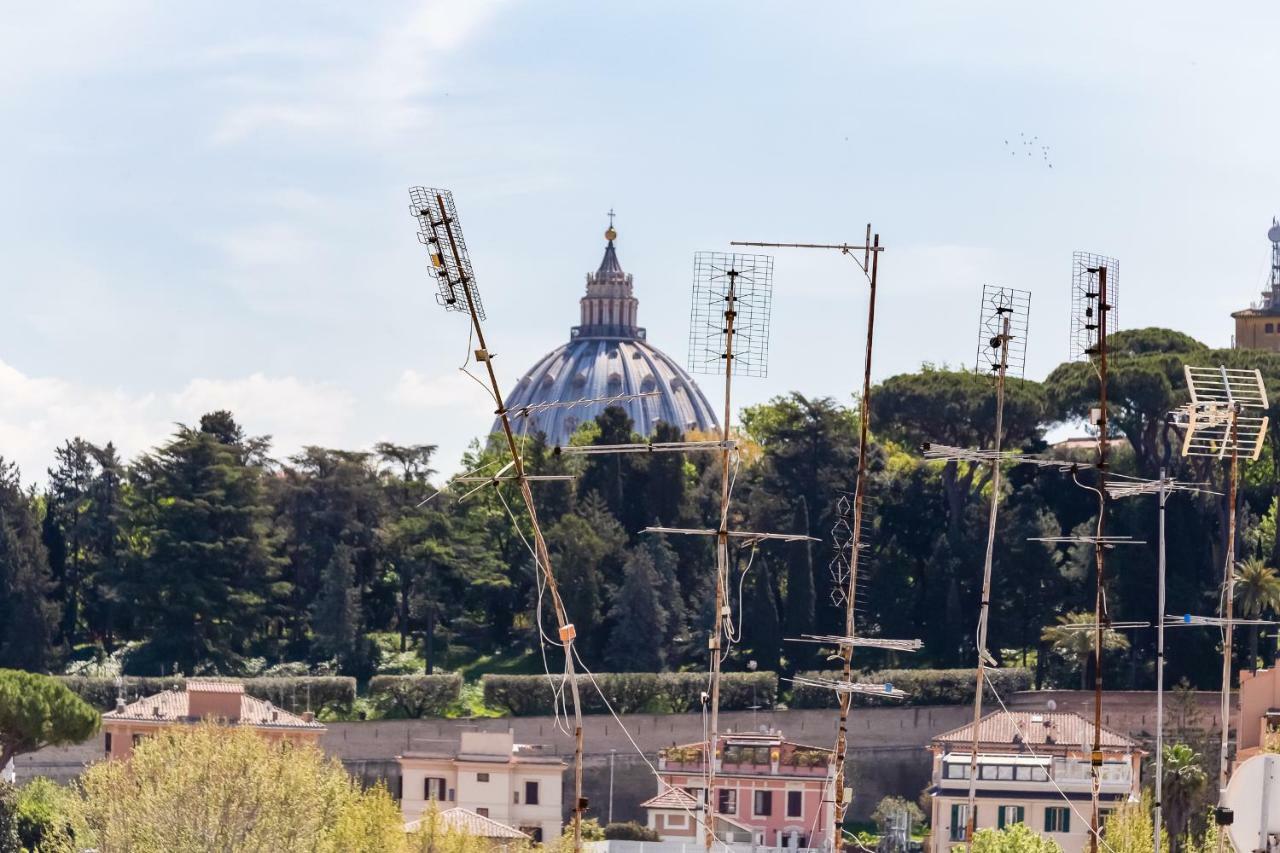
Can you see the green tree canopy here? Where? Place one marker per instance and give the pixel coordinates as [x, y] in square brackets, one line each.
[38, 711]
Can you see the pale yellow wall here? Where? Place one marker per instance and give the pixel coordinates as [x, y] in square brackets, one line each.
[498, 795]
[1251, 333]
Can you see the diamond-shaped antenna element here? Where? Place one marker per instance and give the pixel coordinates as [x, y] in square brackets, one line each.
[1088, 302]
[730, 289]
[999, 304]
[1215, 421]
[440, 231]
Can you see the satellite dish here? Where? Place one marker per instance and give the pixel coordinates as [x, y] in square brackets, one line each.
[1273, 233]
[1253, 795]
[1052, 705]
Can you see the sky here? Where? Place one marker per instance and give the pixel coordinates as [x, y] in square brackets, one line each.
[205, 205]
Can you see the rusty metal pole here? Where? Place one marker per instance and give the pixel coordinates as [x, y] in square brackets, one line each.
[985, 608]
[541, 554]
[1099, 551]
[1228, 609]
[859, 491]
[722, 570]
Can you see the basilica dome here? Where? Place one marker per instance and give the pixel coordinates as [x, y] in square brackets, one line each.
[607, 354]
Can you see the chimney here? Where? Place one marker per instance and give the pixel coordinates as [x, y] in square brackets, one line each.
[120, 704]
[308, 717]
[218, 700]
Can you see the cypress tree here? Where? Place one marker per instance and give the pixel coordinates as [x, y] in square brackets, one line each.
[28, 619]
[640, 621]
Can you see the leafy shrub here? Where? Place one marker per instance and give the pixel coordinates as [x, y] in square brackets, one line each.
[44, 816]
[8, 817]
[414, 696]
[629, 831]
[924, 686]
[331, 695]
[631, 692]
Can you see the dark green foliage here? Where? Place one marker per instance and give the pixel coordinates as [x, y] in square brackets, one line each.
[37, 711]
[800, 595]
[334, 695]
[925, 686]
[635, 692]
[9, 817]
[414, 696]
[28, 618]
[203, 576]
[629, 831]
[640, 619]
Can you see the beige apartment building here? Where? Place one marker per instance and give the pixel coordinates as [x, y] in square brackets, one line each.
[517, 785]
[1258, 714]
[1033, 768]
[222, 702]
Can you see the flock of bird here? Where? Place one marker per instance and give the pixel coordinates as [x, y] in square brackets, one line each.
[1029, 146]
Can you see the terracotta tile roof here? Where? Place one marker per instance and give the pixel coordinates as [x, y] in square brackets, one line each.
[672, 798]
[1061, 728]
[170, 706]
[471, 823]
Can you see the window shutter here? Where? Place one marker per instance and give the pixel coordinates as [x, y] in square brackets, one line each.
[955, 814]
[1022, 814]
[1000, 818]
[1049, 821]
[1066, 820]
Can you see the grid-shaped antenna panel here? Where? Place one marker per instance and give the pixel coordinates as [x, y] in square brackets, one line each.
[737, 287]
[440, 231]
[997, 304]
[1213, 421]
[1225, 385]
[1085, 267]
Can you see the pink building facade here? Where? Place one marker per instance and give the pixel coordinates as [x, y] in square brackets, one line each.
[768, 791]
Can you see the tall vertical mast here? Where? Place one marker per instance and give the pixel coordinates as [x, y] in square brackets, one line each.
[985, 607]
[722, 567]
[1099, 551]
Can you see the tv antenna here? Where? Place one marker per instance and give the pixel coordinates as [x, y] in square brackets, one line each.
[440, 231]
[729, 335]
[1003, 321]
[1223, 420]
[1125, 487]
[851, 523]
[1095, 296]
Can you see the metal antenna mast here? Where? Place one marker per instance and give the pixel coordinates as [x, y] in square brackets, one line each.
[729, 332]
[440, 231]
[1002, 345]
[1215, 427]
[1123, 487]
[847, 587]
[1095, 282]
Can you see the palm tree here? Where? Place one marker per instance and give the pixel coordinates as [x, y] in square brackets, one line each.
[1184, 780]
[1257, 591]
[1076, 643]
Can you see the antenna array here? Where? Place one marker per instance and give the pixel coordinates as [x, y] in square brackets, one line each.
[738, 288]
[1086, 312]
[440, 231]
[450, 265]
[997, 304]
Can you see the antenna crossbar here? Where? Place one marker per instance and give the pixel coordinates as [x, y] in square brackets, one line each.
[859, 642]
[734, 534]
[646, 447]
[885, 690]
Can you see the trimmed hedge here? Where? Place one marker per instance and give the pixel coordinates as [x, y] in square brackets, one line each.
[925, 686]
[414, 696]
[333, 695]
[631, 692]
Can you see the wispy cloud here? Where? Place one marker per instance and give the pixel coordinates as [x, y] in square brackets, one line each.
[41, 412]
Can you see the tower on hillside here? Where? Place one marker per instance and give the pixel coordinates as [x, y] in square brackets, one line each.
[608, 354]
[1258, 326]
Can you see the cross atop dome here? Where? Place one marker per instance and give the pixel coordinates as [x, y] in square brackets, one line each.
[610, 271]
